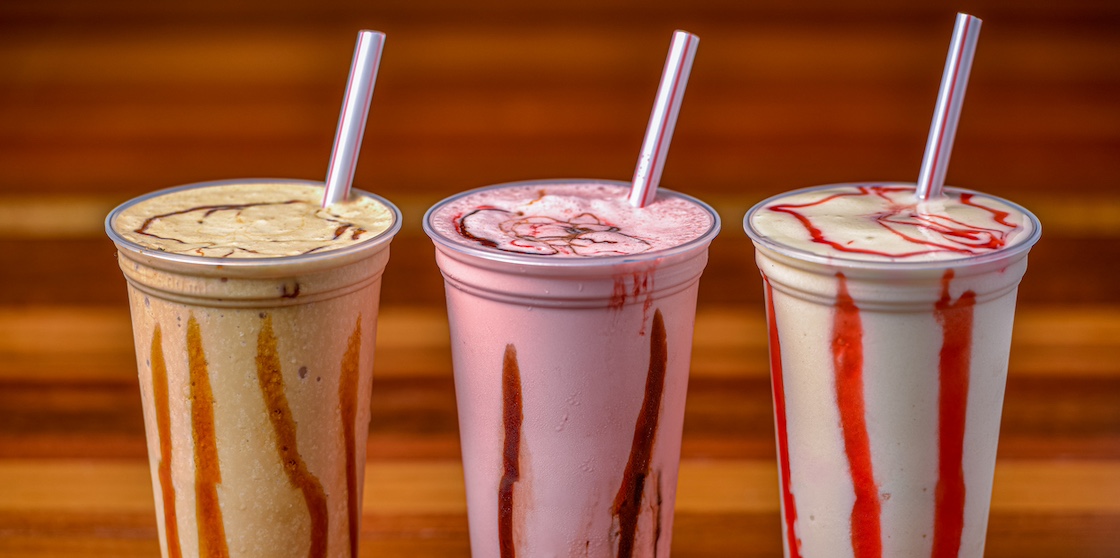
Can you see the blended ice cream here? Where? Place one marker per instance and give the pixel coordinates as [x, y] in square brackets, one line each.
[571, 318]
[251, 220]
[254, 315]
[567, 219]
[890, 326]
[886, 222]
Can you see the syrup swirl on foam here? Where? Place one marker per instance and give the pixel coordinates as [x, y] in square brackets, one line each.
[889, 222]
[559, 219]
[584, 235]
[250, 220]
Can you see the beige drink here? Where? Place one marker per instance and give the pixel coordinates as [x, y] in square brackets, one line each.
[254, 313]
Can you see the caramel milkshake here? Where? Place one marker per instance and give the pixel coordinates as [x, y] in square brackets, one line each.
[890, 328]
[254, 313]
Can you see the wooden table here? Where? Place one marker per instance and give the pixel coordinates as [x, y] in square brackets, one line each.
[102, 101]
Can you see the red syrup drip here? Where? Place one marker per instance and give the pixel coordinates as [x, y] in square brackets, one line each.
[847, 357]
[956, 355]
[641, 286]
[906, 221]
[789, 506]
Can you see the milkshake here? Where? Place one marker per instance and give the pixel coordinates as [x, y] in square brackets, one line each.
[254, 313]
[890, 328]
[571, 319]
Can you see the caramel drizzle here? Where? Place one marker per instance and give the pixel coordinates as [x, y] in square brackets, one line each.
[207, 474]
[348, 400]
[163, 427]
[283, 424]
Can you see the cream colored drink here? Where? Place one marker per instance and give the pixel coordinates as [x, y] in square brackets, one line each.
[890, 328]
[254, 314]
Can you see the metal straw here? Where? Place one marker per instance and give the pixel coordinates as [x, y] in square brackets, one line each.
[663, 119]
[352, 119]
[954, 81]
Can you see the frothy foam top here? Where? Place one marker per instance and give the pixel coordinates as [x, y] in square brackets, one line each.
[568, 220]
[251, 220]
[886, 222]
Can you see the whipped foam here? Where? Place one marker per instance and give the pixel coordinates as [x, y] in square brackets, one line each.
[250, 220]
[886, 222]
[569, 220]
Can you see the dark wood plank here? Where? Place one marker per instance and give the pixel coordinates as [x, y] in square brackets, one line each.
[104, 101]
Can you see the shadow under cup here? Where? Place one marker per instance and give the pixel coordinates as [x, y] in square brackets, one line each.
[255, 376]
[888, 382]
[570, 379]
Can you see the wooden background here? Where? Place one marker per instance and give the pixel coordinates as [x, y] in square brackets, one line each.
[102, 101]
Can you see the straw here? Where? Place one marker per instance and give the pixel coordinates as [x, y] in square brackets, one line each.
[954, 81]
[352, 119]
[674, 79]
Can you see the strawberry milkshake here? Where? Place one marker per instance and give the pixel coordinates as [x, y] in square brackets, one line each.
[890, 328]
[571, 319]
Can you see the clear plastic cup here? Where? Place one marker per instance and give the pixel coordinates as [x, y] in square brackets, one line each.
[570, 377]
[255, 376]
[888, 382]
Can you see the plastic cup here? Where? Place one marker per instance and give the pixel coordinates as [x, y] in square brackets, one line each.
[888, 383]
[255, 377]
[570, 378]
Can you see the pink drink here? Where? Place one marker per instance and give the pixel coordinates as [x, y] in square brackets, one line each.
[890, 329]
[254, 313]
[571, 329]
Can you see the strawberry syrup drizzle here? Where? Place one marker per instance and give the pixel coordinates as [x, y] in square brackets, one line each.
[999, 216]
[961, 238]
[789, 507]
[956, 355]
[956, 320]
[847, 357]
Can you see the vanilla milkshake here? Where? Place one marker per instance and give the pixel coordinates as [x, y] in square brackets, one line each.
[890, 328]
[571, 327]
[254, 313]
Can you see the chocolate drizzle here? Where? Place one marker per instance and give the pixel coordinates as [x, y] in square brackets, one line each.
[207, 210]
[348, 401]
[343, 227]
[163, 427]
[512, 418]
[289, 292]
[582, 235]
[627, 504]
[207, 472]
[284, 426]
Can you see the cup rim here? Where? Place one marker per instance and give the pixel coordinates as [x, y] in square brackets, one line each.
[541, 261]
[840, 261]
[242, 263]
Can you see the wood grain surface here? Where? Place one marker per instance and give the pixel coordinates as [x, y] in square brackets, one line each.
[102, 101]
